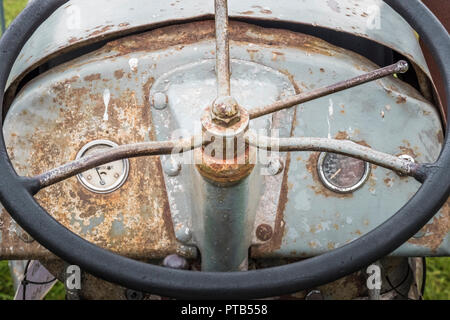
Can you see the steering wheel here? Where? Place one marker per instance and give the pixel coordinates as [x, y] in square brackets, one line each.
[16, 192]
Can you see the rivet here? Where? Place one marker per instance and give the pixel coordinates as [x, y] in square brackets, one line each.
[264, 232]
[184, 234]
[171, 167]
[275, 166]
[159, 100]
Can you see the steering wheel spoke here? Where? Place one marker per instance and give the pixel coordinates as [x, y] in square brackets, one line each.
[399, 67]
[152, 148]
[344, 147]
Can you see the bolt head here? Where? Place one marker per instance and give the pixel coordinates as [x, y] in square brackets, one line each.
[159, 100]
[225, 111]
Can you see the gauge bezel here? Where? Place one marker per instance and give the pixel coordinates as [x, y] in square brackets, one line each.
[333, 187]
[120, 181]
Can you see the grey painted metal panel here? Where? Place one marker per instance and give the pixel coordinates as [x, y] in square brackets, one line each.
[387, 115]
[81, 20]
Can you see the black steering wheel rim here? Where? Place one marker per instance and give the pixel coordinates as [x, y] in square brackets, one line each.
[16, 195]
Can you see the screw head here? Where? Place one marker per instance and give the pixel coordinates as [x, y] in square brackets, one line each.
[159, 100]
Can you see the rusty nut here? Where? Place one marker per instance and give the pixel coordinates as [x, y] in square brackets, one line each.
[225, 111]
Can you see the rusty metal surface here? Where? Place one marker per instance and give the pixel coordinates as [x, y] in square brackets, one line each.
[345, 147]
[371, 19]
[151, 148]
[399, 67]
[222, 48]
[63, 110]
[348, 16]
[67, 114]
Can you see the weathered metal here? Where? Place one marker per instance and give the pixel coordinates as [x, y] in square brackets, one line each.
[216, 207]
[226, 158]
[222, 49]
[223, 221]
[399, 67]
[348, 16]
[344, 147]
[225, 110]
[167, 147]
[282, 53]
[117, 153]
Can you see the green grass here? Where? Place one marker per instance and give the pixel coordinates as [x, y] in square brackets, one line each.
[438, 279]
[13, 8]
[438, 269]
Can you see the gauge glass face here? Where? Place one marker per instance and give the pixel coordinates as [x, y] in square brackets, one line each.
[341, 173]
[105, 178]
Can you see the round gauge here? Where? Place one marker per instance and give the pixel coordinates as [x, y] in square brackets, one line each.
[341, 173]
[106, 178]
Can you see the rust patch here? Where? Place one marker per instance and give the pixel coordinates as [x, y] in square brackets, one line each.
[292, 80]
[205, 30]
[118, 74]
[400, 99]
[263, 10]
[134, 220]
[277, 55]
[279, 231]
[388, 182]
[440, 137]
[247, 12]
[436, 231]
[92, 77]
[100, 30]
[409, 151]
[252, 53]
